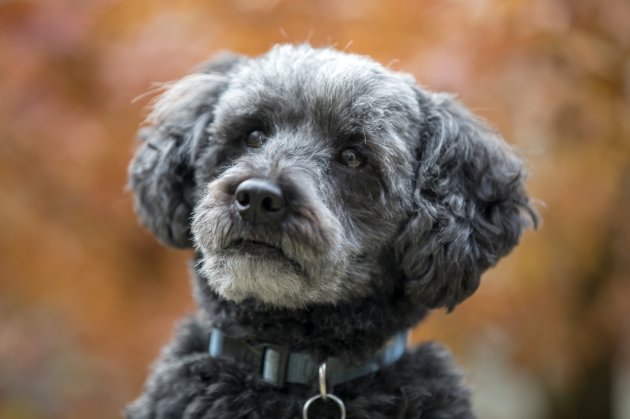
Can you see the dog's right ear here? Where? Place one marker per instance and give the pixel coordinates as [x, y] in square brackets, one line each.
[162, 172]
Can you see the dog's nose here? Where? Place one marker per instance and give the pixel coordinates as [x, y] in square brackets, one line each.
[259, 201]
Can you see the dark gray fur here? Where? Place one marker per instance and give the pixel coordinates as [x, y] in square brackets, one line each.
[365, 252]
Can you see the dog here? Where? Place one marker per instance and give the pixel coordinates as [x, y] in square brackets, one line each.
[331, 203]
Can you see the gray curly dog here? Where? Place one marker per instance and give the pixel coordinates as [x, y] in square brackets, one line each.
[331, 203]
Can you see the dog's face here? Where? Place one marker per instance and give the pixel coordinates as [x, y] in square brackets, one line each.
[301, 174]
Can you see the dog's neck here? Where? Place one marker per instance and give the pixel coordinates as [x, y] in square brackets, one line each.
[351, 330]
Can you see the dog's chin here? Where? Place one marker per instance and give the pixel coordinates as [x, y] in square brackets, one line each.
[266, 275]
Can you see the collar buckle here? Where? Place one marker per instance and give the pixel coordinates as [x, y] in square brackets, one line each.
[275, 361]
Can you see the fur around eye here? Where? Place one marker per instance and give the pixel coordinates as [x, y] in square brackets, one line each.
[352, 158]
[255, 138]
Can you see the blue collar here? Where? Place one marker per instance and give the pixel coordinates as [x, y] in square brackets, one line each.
[278, 366]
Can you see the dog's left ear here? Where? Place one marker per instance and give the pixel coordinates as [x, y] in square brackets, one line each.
[469, 204]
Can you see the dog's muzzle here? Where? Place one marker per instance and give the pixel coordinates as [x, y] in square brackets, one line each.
[270, 236]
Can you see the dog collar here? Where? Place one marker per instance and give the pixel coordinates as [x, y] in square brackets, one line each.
[278, 366]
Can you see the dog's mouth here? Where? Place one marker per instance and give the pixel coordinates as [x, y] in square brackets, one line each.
[262, 250]
[255, 248]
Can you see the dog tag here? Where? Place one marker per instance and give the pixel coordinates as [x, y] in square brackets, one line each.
[324, 395]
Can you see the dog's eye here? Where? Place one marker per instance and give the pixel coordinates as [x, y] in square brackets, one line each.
[351, 158]
[255, 138]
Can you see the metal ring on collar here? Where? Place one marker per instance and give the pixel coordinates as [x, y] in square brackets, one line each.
[332, 397]
[324, 395]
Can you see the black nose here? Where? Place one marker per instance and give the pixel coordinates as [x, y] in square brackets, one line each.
[259, 201]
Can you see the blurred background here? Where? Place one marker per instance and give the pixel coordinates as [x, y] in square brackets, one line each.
[87, 297]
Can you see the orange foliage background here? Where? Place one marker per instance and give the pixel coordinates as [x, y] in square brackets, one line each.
[87, 297]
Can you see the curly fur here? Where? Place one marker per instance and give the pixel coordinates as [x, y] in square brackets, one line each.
[363, 253]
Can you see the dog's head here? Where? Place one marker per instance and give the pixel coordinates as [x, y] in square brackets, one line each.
[304, 175]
